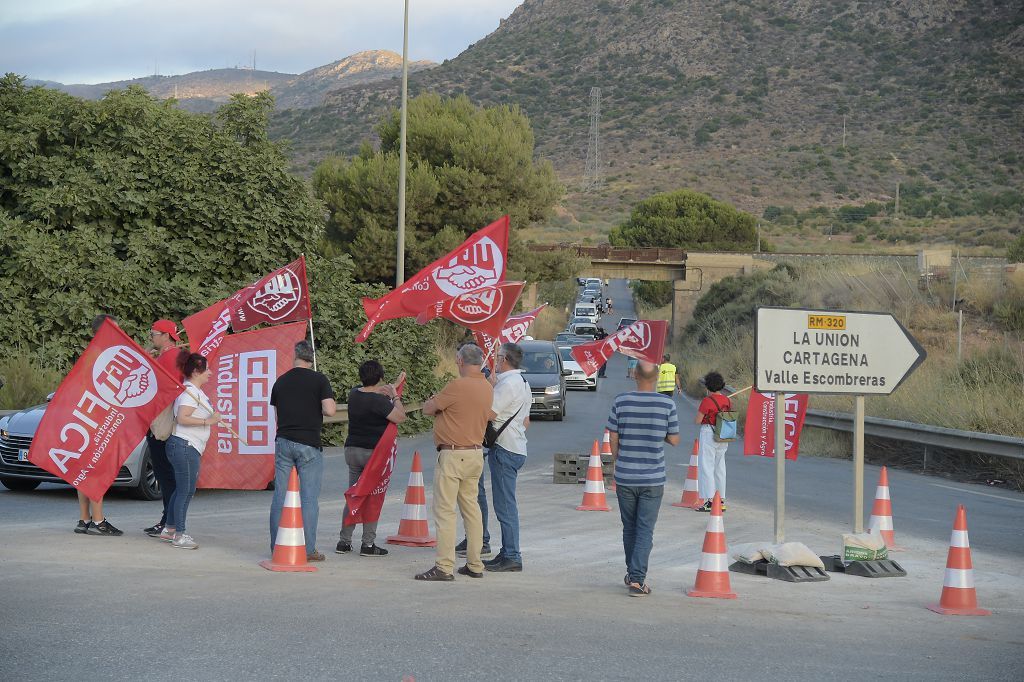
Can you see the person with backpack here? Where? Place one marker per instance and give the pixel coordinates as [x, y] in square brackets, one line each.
[717, 429]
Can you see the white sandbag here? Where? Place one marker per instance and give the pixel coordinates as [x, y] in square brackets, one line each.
[864, 547]
[795, 554]
[747, 552]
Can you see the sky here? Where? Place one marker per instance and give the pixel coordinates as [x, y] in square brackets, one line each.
[97, 41]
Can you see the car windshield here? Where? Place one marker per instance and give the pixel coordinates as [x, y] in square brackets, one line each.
[566, 354]
[542, 362]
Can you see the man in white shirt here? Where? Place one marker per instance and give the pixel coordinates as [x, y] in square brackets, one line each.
[512, 399]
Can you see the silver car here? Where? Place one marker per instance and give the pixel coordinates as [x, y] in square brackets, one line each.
[17, 473]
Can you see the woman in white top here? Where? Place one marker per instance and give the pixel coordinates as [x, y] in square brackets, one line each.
[193, 416]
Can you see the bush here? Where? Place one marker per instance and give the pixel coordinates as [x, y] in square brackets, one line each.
[731, 303]
[651, 294]
[1015, 253]
[688, 220]
[25, 382]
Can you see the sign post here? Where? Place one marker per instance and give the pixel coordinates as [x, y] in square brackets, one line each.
[780, 467]
[798, 350]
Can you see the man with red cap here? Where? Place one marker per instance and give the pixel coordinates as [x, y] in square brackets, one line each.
[164, 335]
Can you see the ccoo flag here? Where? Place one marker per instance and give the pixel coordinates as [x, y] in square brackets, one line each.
[101, 412]
[366, 498]
[477, 262]
[643, 340]
[281, 296]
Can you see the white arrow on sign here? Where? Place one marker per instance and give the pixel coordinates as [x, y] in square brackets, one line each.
[797, 350]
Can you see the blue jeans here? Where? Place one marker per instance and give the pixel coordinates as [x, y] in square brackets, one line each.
[638, 507]
[310, 463]
[505, 468]
[184, 461]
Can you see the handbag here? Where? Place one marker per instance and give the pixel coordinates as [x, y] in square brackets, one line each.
[725, 424]
[163, 425]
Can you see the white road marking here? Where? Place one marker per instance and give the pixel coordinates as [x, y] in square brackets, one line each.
[974, 492]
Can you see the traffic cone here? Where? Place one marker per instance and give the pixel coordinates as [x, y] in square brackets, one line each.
[593, 491]
[691, 500]
[290, 543]
[713, 573]
[958, 595]
[413, 530]
[881, 513]
[606, 449]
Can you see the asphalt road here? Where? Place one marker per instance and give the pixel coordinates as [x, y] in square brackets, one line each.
[133, 608]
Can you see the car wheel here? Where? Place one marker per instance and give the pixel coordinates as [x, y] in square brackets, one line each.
[592, 388]
[20, 484]
[148, 487]
[561, 413]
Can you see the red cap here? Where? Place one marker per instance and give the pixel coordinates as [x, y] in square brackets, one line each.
[167, 327]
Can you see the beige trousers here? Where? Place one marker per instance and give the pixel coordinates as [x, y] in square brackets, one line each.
[456, 478]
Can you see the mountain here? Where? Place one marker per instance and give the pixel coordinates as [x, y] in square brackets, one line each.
[308, 88]
[206, 90]
[758, 102]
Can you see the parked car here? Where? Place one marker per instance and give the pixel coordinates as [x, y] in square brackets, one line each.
[625, 322]
[577, 378]
[542, 367]
[17, 473]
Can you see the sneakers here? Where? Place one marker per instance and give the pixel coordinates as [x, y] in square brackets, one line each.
[315, 556]
[435, 575]
[505, 565]
[153, 530]
[460, 549]
[638, 590]
[343, 547]
[372, 550]
[166, 534]
[185, 541]
[83, 527]
[723, 504]
[102, 528]
[706, 507]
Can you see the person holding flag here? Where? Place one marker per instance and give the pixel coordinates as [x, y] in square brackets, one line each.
[371, 408]
[164, 336]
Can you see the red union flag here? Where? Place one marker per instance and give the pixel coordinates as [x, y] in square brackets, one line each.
[759, 428]
[477, 262]
[243, 373]
[643, 340]
[514, 329]
[101, 412]
[281, 296]
[207, 329]
[484, 310]
[366, 498]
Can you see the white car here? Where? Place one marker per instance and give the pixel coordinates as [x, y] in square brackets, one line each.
[586, 311]
[578, 379]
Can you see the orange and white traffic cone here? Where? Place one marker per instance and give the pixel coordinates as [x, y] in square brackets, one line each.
[713, 572]
[290, 543]
[593, 491]
[691, 499]
[881, 513]
[958, 595]
[413, 530]
[606, 449]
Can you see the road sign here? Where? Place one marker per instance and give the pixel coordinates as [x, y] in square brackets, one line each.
[797, 350]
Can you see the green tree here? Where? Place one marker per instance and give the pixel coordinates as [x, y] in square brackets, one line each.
[134, 208]
[688, 220]
[467, 166]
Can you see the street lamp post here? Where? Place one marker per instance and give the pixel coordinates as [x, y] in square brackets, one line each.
[400, 266]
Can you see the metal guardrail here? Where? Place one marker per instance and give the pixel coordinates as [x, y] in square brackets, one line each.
[340, 417]
[925, 434]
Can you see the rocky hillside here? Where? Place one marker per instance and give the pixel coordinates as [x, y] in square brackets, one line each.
[745, 99]
[308, 88]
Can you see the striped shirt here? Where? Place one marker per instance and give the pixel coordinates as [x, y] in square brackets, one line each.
[642, 420]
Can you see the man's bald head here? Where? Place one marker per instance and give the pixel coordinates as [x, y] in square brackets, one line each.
[646, 371]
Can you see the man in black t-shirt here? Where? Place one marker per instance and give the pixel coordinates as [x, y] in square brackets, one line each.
[302, 398]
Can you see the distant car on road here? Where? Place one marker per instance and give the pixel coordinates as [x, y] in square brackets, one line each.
[585, 329]
[577, 378]
[17, 473]
[542, 367]
[625, 322]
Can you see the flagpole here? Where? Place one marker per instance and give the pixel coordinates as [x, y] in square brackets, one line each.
[402, 154]
[312, 341]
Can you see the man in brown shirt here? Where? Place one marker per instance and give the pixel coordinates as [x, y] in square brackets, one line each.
[461, 412]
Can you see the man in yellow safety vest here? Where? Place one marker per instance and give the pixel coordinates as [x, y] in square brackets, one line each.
[668, 378]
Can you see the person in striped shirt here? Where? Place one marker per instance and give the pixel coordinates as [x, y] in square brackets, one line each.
[640, 423]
